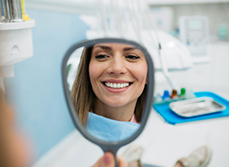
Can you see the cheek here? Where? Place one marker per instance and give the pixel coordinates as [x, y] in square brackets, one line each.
[96, 70]
[141, 73]
[92, 71]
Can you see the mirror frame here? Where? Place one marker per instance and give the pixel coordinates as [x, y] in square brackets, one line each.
[109, 146]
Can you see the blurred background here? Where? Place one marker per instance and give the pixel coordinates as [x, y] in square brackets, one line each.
[199, 29]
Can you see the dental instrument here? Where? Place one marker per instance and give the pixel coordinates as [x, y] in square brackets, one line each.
[6, 10]
[15, 11]
[1, 12]
[15, 37]
[196, 107]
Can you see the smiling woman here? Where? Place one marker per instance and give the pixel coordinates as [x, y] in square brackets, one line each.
[109, 89]
[112, 77]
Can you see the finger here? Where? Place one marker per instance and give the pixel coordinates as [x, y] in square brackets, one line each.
[108, 160]
[97, 164]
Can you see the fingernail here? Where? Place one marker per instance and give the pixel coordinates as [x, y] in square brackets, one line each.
[106, 159]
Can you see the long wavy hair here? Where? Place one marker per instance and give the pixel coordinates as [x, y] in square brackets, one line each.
[83, 96]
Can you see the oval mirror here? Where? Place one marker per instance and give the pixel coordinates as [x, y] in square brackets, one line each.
[108, 85]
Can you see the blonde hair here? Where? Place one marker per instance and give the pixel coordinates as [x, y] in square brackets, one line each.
[83, 96]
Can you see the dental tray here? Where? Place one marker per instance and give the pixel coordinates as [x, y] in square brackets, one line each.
[196, 107]
[172, 118]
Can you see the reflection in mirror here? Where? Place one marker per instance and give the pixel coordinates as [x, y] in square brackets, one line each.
[108, 84]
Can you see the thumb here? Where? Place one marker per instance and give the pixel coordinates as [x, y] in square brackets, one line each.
[107, 160]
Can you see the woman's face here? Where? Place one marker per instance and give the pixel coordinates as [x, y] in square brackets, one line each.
[118, 73]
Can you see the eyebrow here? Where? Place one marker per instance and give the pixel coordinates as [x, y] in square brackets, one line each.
[109, 48]
[129, 48]
[103, 47]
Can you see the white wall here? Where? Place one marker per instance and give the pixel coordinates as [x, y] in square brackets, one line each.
[212, 76]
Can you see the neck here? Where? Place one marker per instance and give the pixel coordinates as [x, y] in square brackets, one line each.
[122, 113]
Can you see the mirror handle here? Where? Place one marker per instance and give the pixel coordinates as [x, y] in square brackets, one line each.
[116, 160]
[114, 152]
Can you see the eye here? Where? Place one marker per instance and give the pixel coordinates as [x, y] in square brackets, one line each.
[101, 56]
[132, 57]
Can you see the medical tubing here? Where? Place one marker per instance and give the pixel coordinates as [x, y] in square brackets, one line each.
[164, 67]
[162, 57]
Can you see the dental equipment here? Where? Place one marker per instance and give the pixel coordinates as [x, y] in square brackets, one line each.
[161, 56]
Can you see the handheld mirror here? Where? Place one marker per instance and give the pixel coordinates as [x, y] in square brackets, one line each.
[108, 85]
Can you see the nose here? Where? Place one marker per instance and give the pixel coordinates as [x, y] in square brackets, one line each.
[117, 66]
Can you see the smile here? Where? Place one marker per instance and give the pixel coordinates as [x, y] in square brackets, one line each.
[117, 85]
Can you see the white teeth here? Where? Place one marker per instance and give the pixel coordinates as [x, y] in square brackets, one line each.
[116, 86]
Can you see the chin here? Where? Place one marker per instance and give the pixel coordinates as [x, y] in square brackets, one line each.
[116, 104]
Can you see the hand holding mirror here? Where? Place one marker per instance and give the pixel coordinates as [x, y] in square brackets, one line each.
[108, 85]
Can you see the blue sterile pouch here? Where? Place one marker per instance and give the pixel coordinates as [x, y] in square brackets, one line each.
[108, 129]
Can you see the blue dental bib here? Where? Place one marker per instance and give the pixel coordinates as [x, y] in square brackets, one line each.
[108, 129]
